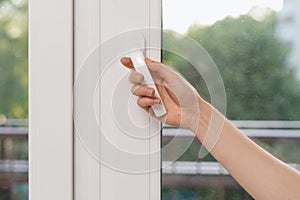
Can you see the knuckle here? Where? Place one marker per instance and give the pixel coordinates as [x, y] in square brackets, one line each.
[143, 102]
[131, 78]
[134, 77]
[140, 102]
[134, 88]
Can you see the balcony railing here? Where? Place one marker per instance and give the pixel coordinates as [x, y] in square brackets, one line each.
[256, 129]
[13, 170]
[204, 173]
[269, 130]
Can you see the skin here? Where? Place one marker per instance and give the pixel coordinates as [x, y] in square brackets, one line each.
[262, 175]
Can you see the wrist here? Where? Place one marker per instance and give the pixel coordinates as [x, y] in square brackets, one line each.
[200, 118]
[207, 120]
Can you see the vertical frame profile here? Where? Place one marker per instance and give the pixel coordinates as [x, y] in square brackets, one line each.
[96, 24]
[50, 99]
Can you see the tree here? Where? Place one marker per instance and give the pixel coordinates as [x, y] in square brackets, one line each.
[13, 59]
[251, 60]
[259, 84]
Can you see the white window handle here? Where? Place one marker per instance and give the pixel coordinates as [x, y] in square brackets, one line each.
[138, 60]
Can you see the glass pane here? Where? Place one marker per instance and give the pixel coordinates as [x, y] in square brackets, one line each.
[256, 47]
[13, 99]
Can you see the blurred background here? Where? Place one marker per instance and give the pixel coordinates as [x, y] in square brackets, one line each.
[254, 43]
[256, 47]
[13, 100]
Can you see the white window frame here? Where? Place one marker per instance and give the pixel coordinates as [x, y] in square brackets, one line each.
[50, 99]
[53, 173]
[96, 22]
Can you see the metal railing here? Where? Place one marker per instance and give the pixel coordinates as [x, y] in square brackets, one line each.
[201, 168]
[257, 129]
[13, 132]
[288, 130]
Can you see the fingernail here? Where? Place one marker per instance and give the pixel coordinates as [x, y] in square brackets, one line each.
[156, 101]
[149, 92]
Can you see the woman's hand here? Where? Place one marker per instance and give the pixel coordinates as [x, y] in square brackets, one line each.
[181, 100]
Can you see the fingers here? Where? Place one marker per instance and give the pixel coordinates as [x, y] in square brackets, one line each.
[146, 96]
[157, 69]
[148, 61]
[140, 90]
[146, 102]
[136, 78]
[127, 62]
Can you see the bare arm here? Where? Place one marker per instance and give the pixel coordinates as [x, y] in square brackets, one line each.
[260, 173]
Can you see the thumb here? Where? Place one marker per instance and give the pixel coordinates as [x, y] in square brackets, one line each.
[148, 60]
[159, 71]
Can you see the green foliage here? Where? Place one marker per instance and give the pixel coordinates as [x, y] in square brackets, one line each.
[259, 84]
[13, 59]
[252, 62]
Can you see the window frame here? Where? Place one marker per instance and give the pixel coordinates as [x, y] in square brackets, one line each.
[100, 17]
[50, 99]
[55, 161]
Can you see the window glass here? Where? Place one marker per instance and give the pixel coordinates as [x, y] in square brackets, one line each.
[256, 47]
[13, 99]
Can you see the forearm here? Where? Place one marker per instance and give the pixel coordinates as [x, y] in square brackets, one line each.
[261, 174]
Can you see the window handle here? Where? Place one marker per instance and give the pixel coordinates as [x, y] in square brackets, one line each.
[136, 44]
